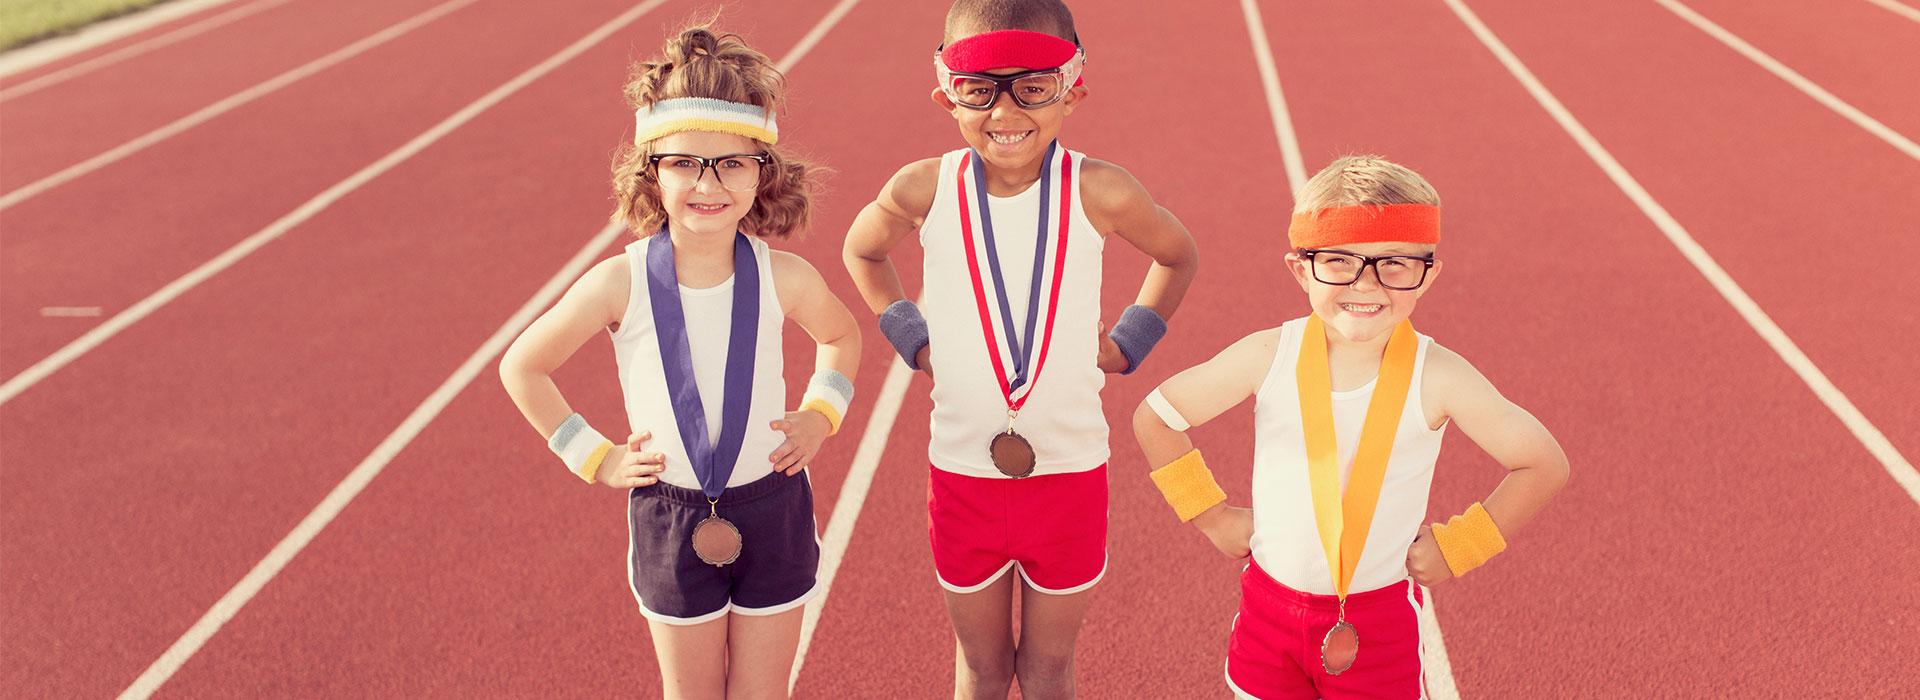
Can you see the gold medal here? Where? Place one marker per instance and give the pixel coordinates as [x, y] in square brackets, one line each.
[715, 539]
[1345, 518]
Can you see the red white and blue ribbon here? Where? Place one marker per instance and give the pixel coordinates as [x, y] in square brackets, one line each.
[1056, 169]
[712, 463]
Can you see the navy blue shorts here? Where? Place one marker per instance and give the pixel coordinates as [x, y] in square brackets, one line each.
[779, 552]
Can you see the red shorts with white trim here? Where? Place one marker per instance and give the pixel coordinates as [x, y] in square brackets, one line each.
[1053, 528]
[1275, 648]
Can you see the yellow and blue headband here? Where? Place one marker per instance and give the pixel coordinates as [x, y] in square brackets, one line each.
[704, 114]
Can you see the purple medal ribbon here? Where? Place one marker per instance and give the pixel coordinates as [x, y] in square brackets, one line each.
[1021, 356]
[712, 464]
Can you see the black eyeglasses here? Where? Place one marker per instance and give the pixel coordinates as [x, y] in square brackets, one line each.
[680, 172]
[1339, 267]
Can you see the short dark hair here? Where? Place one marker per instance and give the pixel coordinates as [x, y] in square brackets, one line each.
[970, 17]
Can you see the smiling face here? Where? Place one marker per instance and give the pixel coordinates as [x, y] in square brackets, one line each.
[1364, 310]
[1008, 136]
[709, 208]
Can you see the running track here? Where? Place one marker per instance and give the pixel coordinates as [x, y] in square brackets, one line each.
[1726, 532]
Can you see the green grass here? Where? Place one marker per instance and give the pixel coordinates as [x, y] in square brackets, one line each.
[23, 22]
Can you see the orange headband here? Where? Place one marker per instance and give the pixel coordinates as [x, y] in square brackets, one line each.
[1398, 223]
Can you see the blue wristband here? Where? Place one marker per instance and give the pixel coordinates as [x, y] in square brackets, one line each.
[906, 329]
[1137, 331]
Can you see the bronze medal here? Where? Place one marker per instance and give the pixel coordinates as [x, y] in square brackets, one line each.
[1012, 454]
[1340, 648]
[716, 540]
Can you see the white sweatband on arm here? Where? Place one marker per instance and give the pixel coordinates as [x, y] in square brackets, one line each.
[829, 393]
[579, 445]
[1164, 409]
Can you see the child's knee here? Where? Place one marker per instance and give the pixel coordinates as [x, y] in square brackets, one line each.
[1045, 668]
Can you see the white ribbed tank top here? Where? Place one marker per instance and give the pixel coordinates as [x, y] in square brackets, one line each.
[709, 314]
[1286, 539]
[1063, 419]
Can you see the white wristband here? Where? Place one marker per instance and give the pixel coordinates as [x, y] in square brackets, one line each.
[1166, 411]
[575, 441]
[830, 392]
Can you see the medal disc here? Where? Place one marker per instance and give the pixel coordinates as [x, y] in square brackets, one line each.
[1340, 648]
[1012, 454]
[716, 541]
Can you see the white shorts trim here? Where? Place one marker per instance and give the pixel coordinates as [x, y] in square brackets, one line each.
[1066, 591]
[976, 587]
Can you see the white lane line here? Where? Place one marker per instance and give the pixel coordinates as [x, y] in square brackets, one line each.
[69, 311]
[1276, 101]
[41, 53]
[357, 480]
[131, 50]
[228, 104]
[1898, 9]
[1863, 430]
[1433, 651]
[1781, 71]
[139, 310]
[853, 495]
[236, 598]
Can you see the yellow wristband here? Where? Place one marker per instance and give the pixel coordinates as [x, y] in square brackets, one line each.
[825, 409]
[1188, 486]
[1468, 540]
[591, 468]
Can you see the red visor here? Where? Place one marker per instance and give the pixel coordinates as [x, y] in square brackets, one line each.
[1008, 48]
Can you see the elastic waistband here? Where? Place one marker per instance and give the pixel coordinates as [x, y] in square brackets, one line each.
[1393, 593]
[751, 491]
[995, 475]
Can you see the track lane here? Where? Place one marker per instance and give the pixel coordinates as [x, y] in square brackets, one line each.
[234, 411]
[1705, 473]
[69, 122]
[1159, 621]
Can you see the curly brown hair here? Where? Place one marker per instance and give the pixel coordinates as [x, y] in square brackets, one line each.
[698, 62]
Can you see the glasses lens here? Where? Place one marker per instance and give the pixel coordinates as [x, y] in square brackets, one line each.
[972, 91]
[1334, 268]
[1037, 90]
[739, 174]
[677, 173]
[1400, 273]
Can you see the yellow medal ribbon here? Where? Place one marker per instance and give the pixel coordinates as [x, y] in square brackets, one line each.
[1344, 520]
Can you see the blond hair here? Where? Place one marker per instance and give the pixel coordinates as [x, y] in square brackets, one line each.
[697, 62]
[1363, 180]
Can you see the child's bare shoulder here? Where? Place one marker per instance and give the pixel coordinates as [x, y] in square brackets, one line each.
[909, 193]
[1112, 196]
[605, 288]
[1449, 377]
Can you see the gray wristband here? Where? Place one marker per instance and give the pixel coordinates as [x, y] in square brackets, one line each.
[1137, 331]
[906, 329]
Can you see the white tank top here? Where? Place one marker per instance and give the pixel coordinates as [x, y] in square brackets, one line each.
[709, 314]
[1063, 418]
[1286, 539]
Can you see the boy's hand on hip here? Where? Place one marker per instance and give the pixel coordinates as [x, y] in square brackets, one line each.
[1230, 529]
[805, 430]
[1111, 360]
[924, 358]
[1424, 562]
[626, 467]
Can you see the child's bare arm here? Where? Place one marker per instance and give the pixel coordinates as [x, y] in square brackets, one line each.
[899, 210]
[594, 302]
[812, 305]
[1198, 395]
[1536, 466]
[1118, 205]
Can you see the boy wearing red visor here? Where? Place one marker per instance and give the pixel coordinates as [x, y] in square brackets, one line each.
[1010, 330]
[1349, 407]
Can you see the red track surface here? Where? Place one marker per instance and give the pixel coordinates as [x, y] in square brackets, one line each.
[1724, 534]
